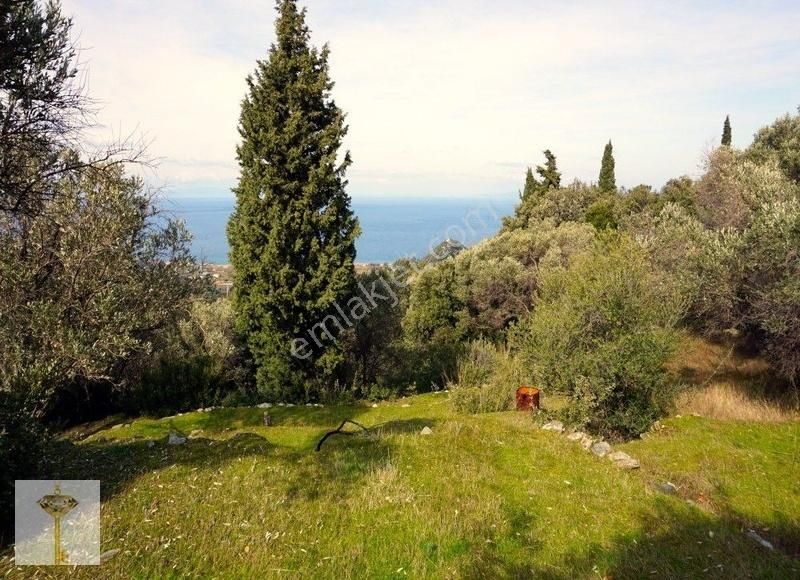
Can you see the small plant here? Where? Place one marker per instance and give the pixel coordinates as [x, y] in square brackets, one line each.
[487, 377]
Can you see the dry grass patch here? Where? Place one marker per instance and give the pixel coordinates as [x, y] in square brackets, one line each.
[727, 402]
[728, 385]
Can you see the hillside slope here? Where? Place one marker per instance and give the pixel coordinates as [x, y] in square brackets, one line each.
[486, 496]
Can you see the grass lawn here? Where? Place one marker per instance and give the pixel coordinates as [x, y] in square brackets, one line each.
[486, 496]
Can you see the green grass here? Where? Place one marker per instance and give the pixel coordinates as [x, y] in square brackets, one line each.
[486, 496]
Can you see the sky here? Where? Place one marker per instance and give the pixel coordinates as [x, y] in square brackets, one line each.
[452, 97]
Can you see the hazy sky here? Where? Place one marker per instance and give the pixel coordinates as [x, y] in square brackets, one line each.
[453, 97]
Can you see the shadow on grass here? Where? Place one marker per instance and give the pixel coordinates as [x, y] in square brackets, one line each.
[343, 460]
[672, 540]
[116, 463]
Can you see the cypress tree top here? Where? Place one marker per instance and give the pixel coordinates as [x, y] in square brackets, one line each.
[551, 178]
[607, 180]
[531, 186]
[726, 132]
[292, 232]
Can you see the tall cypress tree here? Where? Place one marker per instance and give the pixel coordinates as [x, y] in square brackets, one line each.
[531, 187]
[551, 178]
[726, 132]
[607, 180]
[292, 233]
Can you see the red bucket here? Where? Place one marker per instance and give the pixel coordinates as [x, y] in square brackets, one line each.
[527, 399]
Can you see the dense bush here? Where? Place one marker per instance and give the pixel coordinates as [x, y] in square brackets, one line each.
[374, 350]
[486, 379]
[565, 204]
[87, 285]
[779, 141]
[770, 285]
[199, 362]
[484, 290]
[733, 187]
[601, 214]
[601, 332]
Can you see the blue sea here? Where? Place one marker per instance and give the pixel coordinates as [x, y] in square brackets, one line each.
[391, 228]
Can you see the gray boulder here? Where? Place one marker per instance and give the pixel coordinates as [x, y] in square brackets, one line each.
[601, 448]
[556, 426]
[623, 460]
[426, 431]
[175, 439]
[667, 488]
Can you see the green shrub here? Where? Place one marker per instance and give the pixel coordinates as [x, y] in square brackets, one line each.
[601, 333]
[373, 347]
[487, 377]
[487, 288]
[769, 288]
[200, 362]
[601, 214]
[779, 141]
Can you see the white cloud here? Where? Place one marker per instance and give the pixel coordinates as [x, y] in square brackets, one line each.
[455, 97]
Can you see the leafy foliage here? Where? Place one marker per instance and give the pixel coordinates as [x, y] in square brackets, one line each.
[200, 361]
[734, 186]
[601, 333]
[375, 353]
[779, 141]
[22, 443]
[88, 286]
[486, 289]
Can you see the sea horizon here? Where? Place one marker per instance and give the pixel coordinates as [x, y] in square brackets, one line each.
[391, 227]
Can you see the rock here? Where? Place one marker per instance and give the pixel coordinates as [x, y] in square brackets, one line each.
[267, 420]
[309, 405]
[175, 439]
[290, 404]
[759, 540]
[576, 436]
[374, 405]
[108, 554]
[405, 405]
[623, 460]
[556, 426]
[118, 426]
[264, 405]
[601, 448]
[426, 431]
[586, 442]
[667, 488]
